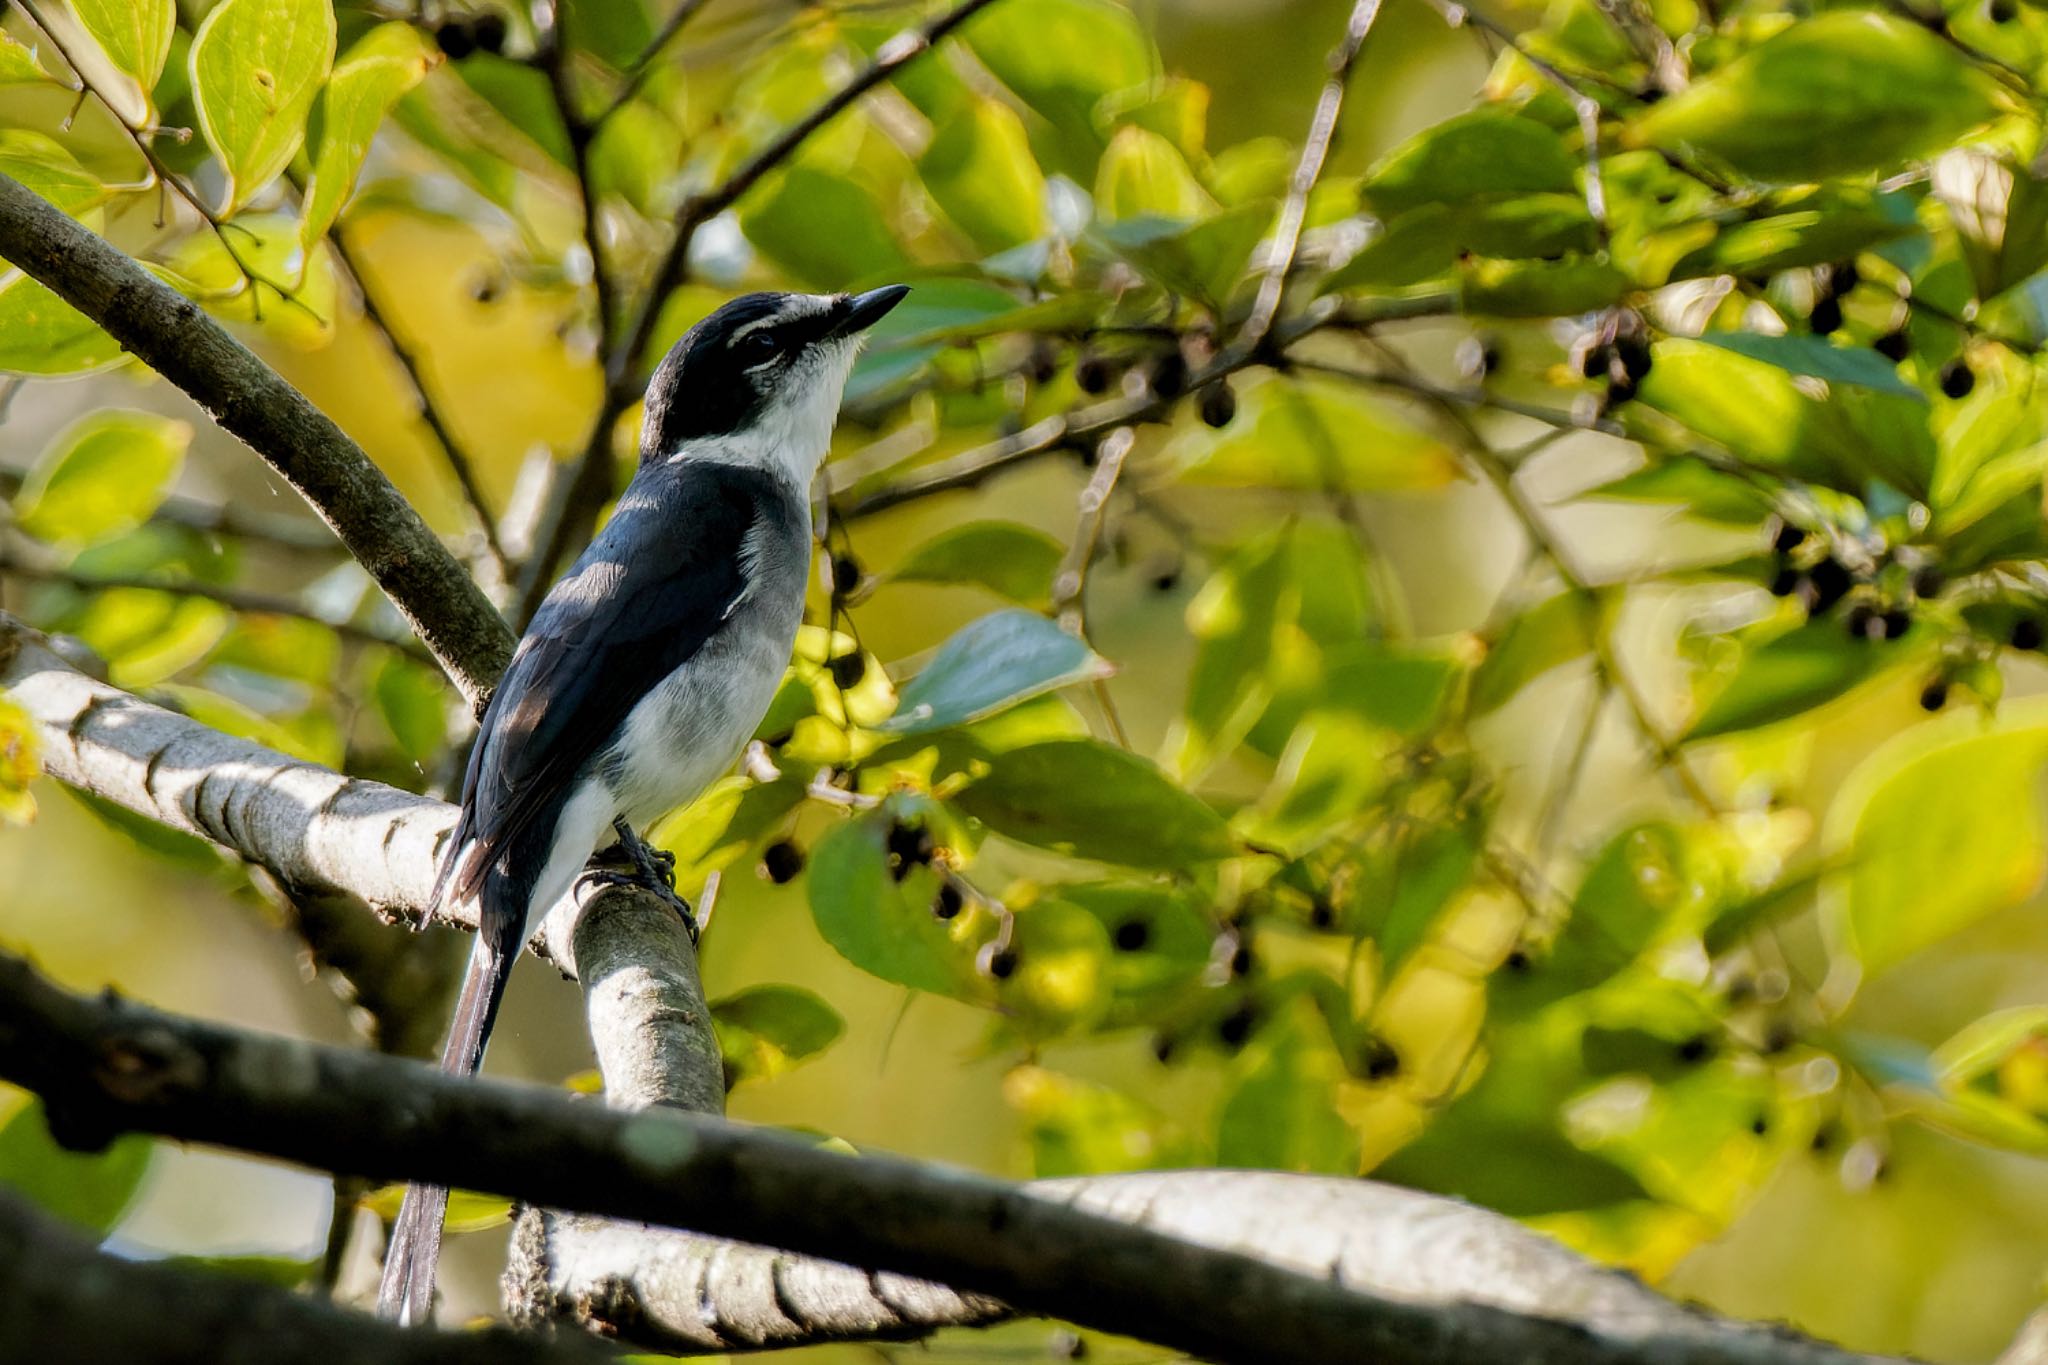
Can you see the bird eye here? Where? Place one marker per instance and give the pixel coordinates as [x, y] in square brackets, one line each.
[758, 347]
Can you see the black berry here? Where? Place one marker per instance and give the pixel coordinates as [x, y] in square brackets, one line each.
[1091, 374]
[1322, 915]
[1594, 363]
[1132, 935]
[1218, 405]
[1788, 538]
[1957, 378]
[1169, 376]
[1843, 277]
[846, 575]
[1896, 623]
[1632, 349]
[2001, 11]
[1000, 963]
[2026, 633]
[1516, 961]
[1380, 1061]
[489, 30]
[1620, 390]
[1934, 696]
[1233, 1028]
[849, 669]
[1167, 581]
[1893, 346]
[457, 39]
[1928, 581]
[1785, 581]
[1861, 621]
[1827, 583]
[1695, 1049]
[1241, 960]
[1826, 316]
[947, 903]
[1045, 364]
[782, 860]
[908, 846]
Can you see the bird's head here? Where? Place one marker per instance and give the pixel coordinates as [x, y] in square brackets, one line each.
[759, 380]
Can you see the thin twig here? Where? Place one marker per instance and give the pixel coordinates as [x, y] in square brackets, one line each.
[643, 65]
[1315, 149]
[237, 599]
[1070, 581]
[459, 463]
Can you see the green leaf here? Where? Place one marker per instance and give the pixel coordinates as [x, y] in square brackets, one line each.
[1077, 1127]
[102, 475]
[1312, 434]
[827, 230]
[1427, 242]
[634, 155]
[413, 705]
[135, 35]
[1540, 289]
[1482, 154]
[18, 64]
[1142, 175]
[1282, 1114]
[1791, 674]
[987, 665]
[1236, 619]
[91, 1190]
[764, 1031]
[1092, 800]
[1819, 358]
[980, 171]
[1206, 259]
[41, 335]
[256, 66]
[282, 1272]
[1838, 94]
[522, 95]
[1548, 635]
[1983, 1045]
[1062, 57]
[1937, 829]
[1700, 489]
[1062, 981]
[1518, 1167]
[1178, 940]
[1334, 765]
[384, 63]
[1839, 231]
[48, 167]
[883, 926]
[1422, 873]
[1009, 559]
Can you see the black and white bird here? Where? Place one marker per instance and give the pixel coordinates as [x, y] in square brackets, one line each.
[653, 659]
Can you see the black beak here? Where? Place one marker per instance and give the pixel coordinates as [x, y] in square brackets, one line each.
[865, 310]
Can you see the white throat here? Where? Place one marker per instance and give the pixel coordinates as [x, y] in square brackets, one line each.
[793, 433]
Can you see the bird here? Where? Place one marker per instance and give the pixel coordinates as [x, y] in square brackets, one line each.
[650, 662]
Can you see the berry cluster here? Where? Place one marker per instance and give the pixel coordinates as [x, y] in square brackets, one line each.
[462, 34]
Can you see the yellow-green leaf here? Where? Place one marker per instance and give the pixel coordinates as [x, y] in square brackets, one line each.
[1142, 174]
[48, 167]
[104, 474]
[256, 66]
[135, 35]
[980, 170]
[1313, 434]
[1842, 93]
[385, 63]
[18, 64]
[1937, 829]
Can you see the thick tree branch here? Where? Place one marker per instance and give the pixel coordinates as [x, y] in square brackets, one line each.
[61, 1300]
[171, 335]
[104, 1066]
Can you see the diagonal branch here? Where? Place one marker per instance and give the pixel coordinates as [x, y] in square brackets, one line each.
[171, 335]
[1315, 149]
[104, 1066]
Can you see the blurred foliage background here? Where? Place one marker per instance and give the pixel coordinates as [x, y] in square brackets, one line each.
[1556, 726]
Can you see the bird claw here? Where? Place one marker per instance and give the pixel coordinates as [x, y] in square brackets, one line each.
[653, 870]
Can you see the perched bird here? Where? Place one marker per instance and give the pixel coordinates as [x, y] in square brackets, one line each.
[650, 663]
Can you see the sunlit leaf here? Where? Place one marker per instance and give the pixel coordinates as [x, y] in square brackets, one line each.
[256, 66]
[764, 1031]
[980, 170]
[102, 475]
[1205, 258]
[1937, 829]
[46, 166]
[1313, 434]
[1062, 57]
[1843, 92]
[89, 1189]
[1334, 764]
[18, 64]
[413, 705]
[988, 664]
[1817, 357]
[1281, 1115]
[135, 35]
[384, 63]
[20, 764]
[1093, 800]
[1142, 175]
[827, 230]
[1075, 1127]
[1790, 674]
[468, 1210]
[1005, 557]
[1548, 635]
[41, 335]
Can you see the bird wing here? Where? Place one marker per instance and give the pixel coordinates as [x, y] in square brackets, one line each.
[662, 578]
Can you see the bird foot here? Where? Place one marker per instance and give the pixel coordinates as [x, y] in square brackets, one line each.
[652, 870]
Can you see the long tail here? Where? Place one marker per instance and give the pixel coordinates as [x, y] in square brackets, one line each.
[406, 1293]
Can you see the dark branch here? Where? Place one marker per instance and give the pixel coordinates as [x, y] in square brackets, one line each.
[105, 1066]
[171, 335]
[62, 1300]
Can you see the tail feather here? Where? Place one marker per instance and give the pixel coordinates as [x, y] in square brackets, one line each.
[406, 1293]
